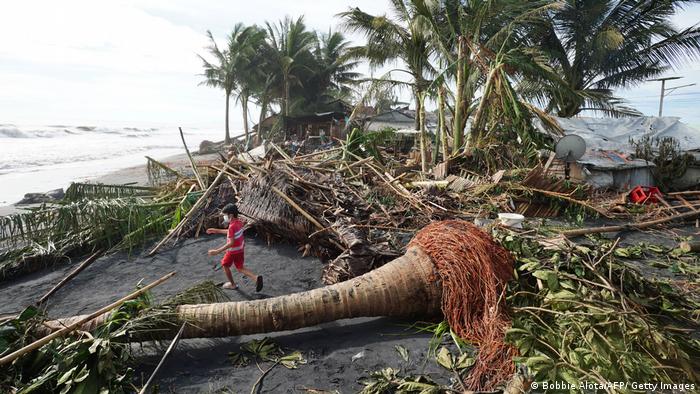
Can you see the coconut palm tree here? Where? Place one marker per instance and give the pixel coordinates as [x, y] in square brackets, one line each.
[472, 39]
[398, 38]
[291, 45]
[602, 45]
[334, 73]
[220, 72]
[246, 51]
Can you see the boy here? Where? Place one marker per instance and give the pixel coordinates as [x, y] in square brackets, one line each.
[233, 247]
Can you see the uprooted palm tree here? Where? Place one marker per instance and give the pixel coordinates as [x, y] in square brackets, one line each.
[568, 328]
[598, 46]
[472, 272]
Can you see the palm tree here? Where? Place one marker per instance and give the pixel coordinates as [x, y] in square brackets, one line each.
[291, 45]
[220, 73]
[601, 45]
[334, 75]
[246, 51]
[396, 39]
[468, 37]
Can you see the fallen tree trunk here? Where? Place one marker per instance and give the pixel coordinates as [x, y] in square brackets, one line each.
[450, 267]
[406, 287]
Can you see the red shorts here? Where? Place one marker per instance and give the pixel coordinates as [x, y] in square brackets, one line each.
[235, 258]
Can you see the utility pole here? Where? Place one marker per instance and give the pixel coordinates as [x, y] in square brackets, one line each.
[669, 90]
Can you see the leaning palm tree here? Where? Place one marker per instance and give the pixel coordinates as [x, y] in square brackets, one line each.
[394, 39]
[474, 39]
[220, 72]
[598, 46]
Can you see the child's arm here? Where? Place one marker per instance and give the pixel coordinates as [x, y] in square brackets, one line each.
[214, 252]
[217, 231]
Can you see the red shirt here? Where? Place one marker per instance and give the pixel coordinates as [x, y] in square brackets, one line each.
[235, 234]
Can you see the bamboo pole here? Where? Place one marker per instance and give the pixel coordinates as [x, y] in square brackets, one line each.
[298, 208]
[194, 208]
[71, 275]
[75, 325]
[162, 360]
[202, 185]
[630, 226]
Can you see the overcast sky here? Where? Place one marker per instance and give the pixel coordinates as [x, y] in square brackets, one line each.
[133, 62]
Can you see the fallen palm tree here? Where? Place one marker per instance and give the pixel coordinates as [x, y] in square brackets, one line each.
[450, 267]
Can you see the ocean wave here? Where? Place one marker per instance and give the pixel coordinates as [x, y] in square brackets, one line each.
[12, 131]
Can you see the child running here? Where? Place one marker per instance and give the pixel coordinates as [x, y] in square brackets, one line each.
[234, 248]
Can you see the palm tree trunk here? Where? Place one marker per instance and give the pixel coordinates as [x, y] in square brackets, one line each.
[286, 104]
[423, 134]
[263, 112]
[457, 128]
[227, 139]
[443, 126]
[244, 106]
[475, 134]
[405, 287]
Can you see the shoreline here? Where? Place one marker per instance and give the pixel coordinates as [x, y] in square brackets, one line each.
[136, 175]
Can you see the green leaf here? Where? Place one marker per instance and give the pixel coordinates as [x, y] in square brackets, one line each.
[444, 358]
[66, 376]
[291, 361]
[622, 252]
[28, 313]
[464, 361]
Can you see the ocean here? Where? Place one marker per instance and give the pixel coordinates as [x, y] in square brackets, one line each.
[46, 157]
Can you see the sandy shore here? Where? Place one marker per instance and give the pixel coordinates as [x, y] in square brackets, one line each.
[133, 175]
[201, 365]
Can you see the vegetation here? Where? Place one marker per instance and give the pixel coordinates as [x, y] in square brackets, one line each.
[88, 362]
[670, 163]
[599, 46]
[282, 64]
[91, 217]
[572, 324]
[500, 63]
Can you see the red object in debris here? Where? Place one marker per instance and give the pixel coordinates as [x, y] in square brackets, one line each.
[644, 194]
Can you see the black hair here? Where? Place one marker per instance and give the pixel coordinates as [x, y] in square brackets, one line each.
[230, 209]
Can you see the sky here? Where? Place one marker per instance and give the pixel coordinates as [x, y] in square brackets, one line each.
[134, 62]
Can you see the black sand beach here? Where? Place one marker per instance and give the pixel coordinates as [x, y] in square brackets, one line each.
[202, 365]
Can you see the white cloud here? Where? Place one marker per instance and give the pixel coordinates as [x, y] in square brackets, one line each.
[135, 60]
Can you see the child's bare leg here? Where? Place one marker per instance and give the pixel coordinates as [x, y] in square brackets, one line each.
[255, 278]
[247, 273]
[227, 271]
